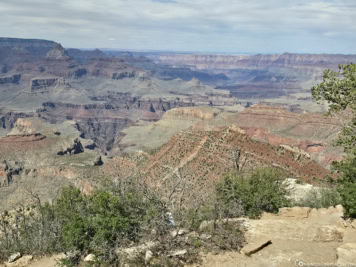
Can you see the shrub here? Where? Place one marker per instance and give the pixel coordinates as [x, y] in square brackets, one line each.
[251, 195]
[347, 184]
[347, 192]
[110, 219]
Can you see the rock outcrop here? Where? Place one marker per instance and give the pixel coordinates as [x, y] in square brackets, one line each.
[34, 47]
[307, 133]
[57, 52]
[73, 149]
[29, 160]
[10, 79]
[124, 74]
[42, 85]
[255, 61]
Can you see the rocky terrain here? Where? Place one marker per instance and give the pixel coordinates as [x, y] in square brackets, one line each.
[103, 94]
[283, 79]
[124, 104]
[293, 237]
[256, 61]
[308, 133]
[38, 158]
[75, 117]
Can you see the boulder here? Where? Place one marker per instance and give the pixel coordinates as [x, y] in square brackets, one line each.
[14, 257]
[256, 245]
[21, 262]
[98, 161]
[75, 148]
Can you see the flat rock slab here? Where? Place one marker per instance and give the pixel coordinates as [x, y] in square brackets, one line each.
[295, 212]
[21, 262]
[346, 254]
[256, 245]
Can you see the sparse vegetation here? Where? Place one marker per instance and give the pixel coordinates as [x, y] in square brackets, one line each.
[109, 220]
[250, 195]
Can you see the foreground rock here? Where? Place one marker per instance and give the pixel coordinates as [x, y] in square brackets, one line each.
[21, 262]
[316, 236]
[346, 254]
[14, 257]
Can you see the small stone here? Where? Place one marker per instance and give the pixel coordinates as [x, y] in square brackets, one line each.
[205, 236]
[179, 233]
[14, 257]
[353, 223]
[256, 246]
[178, 253]
[90, 257]
[148, 256]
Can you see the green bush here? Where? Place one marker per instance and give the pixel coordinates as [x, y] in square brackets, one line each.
[348, 195]
[338, 89]
[347, 184]
[262, 190]
[110, 219]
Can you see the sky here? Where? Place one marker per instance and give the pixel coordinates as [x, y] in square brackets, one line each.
[222, 26]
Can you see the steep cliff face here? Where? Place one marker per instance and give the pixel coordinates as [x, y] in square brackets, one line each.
[41, 158]
[13, 42]
[112, 68]
[14, 51]
[84, 55]
[103, 123]
[10, 79]
[8, 119]
[260, 77]
[256, 61]
[41, 85]
[57, 52]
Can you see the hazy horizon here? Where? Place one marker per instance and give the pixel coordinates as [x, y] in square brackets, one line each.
[209, 26]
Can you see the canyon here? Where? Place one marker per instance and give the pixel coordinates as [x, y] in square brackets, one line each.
[67, 115]
[282, 79]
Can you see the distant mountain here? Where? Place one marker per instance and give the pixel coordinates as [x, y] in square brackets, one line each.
[260, 77]
[30, 47]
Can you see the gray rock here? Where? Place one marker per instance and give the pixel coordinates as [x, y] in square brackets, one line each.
[178, 253]
[90, 258]
[14, 257]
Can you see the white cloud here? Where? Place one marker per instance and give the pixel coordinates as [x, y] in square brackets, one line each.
[205, 25]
